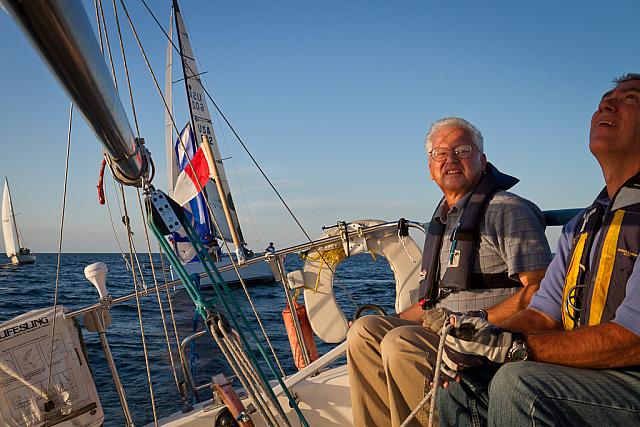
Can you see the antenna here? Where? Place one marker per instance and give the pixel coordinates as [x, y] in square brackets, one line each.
[96, 273]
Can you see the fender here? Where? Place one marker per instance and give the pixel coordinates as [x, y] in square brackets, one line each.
[316, 278]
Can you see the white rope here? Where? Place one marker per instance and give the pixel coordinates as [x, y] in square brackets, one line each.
[234, 338]
[249, 373]
[138, 306]
[266, 415]
[113, 227]
[432, 394]
[10, 372]
[63, 209]
[169, 300]
[401, 238]
[246, 292]
[436, 379]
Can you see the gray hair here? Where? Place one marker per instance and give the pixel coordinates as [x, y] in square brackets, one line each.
[626, 77]
[458, 123]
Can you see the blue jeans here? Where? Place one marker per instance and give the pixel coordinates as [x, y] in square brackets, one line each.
[534, 393]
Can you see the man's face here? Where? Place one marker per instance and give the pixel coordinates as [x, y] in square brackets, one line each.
[615, 126]
[455, 176]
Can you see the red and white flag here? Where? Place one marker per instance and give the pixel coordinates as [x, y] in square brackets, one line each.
[192, 179]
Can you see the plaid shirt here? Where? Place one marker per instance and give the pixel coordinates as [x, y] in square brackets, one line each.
[512, 240]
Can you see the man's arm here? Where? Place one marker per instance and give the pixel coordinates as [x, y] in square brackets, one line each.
[518, 301]
[603, 346]
[414, 313]
[530, 321]
[500, 312]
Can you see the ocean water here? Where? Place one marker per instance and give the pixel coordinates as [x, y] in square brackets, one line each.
[25, 288]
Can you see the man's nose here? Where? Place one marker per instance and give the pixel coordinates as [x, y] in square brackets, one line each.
[607, 104]
[452, 157]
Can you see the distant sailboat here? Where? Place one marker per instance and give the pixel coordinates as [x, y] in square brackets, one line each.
[12, 242]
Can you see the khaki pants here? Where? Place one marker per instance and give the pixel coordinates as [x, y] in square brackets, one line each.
[390, 363]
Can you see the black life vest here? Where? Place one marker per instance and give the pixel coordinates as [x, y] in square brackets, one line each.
[465, 240]
[595, 288]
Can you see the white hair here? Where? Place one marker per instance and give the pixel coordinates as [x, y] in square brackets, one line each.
[458, 123]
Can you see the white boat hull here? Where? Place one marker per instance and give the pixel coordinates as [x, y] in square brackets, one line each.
[23, 259]
[254, 273]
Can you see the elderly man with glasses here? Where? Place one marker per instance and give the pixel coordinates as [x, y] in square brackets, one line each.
[485, 255]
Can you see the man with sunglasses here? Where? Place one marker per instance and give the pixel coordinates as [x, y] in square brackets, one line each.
[485, 252]
[574, 353]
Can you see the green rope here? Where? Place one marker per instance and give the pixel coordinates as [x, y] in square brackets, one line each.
[226, 298]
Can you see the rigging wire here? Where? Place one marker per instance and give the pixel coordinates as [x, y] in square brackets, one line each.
[235, 172]
[95, 7]
[170, 302]
[113, 227]
[126, 218]
[106, 36]
[101, 24]
[255, 162]
[249, 299]
[246, 149]
[126, 68]
[233, 163]
[56, 288]
[153, 271]
[160, 305]
[139, 308]
[234, 264]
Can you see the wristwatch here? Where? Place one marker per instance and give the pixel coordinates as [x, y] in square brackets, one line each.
[478, 313]
[519, 350]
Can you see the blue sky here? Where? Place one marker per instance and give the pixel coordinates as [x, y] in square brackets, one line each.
[334, 99]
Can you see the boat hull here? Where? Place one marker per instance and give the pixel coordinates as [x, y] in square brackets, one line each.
[251, 274]
[23, 259]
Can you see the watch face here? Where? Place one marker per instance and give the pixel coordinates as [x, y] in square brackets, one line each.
[519, 353]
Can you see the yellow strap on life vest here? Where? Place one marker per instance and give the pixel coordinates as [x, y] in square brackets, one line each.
[605, 269]
[570, 281]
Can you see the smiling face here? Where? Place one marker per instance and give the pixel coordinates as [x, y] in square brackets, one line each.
[455, 176]
[615, 127]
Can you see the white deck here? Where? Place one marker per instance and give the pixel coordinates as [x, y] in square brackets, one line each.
[323, 399]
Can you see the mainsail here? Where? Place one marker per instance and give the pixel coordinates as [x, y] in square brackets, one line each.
[202, 125]
[11, 242]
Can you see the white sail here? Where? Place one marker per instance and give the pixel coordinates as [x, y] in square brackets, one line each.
[203, 126]
[170, 130]
[9, 229]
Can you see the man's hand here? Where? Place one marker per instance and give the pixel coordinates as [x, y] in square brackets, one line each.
[434, 319]
[474, 341]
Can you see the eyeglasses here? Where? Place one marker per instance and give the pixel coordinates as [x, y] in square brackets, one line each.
[461, 152]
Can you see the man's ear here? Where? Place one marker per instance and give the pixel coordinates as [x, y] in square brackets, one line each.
[483, 158]
[430, 170]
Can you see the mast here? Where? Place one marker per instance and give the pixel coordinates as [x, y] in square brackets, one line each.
[202, 126]
[170, 133]
[227, 212]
